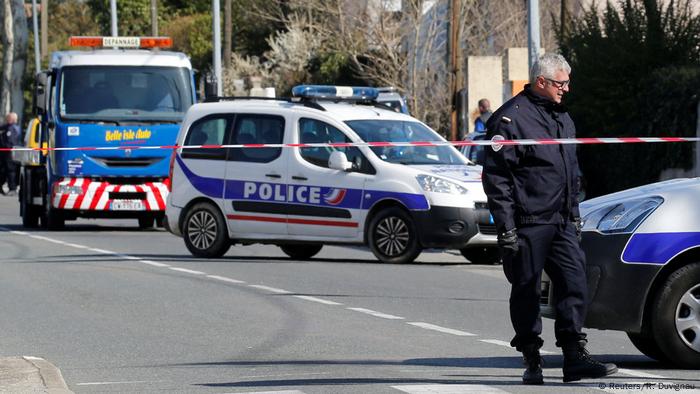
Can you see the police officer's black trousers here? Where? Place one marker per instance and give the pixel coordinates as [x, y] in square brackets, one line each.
[8, 170]
[554, 248]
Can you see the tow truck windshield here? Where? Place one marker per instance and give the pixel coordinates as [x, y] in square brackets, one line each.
[124, 93]
[405, 131]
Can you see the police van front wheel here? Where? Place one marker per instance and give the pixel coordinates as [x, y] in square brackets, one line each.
[204, 231]
[675, 318]
[392, 236]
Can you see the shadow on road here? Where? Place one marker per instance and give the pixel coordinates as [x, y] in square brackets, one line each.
[468, 363]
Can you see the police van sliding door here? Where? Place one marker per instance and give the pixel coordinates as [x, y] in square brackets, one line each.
[324, 203]
[256, 178]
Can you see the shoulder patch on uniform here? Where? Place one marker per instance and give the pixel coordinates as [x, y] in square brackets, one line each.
[505, 119]
[496, 147]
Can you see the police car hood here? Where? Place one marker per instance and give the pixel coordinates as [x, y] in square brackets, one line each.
[462, 173]
[665, 188]
[469, 176]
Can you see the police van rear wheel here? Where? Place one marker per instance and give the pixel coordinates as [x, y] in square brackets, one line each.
[675, 319]
[393, 237]
[205, 231]
[301, 251]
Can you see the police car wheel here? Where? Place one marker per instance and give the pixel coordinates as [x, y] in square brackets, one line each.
[204, 231]
[392, 236]
[646, 344]
[301, 251]
[676, 317]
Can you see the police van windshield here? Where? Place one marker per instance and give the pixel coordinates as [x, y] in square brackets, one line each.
[125, 93]
[405, 131]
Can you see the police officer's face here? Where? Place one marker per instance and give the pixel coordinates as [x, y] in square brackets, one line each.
[553, 88]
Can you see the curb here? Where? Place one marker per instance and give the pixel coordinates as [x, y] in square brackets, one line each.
[30, 374]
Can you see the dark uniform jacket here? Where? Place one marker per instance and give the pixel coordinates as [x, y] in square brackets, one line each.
[9, 135]
[531, 184]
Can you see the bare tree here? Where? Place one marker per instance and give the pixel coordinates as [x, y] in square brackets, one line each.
[407, 47]
[14, 43]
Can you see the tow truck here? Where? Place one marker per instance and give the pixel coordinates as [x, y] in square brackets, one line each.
[105, 119]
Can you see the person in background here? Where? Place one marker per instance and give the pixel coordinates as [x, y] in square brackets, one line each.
[532, 194]
[484, 115]
[10, 135]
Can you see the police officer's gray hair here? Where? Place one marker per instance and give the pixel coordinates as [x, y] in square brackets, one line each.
[547, 65]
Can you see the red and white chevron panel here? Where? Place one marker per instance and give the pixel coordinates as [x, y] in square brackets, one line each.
[95, 195]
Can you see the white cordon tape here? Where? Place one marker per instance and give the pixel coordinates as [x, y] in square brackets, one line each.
[553, 141]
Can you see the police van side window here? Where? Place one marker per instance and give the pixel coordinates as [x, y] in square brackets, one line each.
[211, 130]
[257, 129]
[315, 131]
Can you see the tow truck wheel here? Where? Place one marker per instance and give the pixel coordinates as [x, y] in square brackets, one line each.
[30, 213]
[301, 251]
[146, 222]
[55, 220]
[647, 345]
[205, 231]
[392, 236]
[675, 319]
[482, 255]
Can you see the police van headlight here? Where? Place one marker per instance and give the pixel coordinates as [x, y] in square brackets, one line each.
[439, 185]
[621, 218]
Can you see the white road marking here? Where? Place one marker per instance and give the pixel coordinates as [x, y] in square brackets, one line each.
[103, 251]
[125, 382]
[153, 263]
[445, 330]
[496, 342]
[376, 314]
[274, 392]
[448, 389]
[639, 374]
[77, 246]
[271, 289]
[319, 300]
[185, 270]
[127, 257]
[225, 279]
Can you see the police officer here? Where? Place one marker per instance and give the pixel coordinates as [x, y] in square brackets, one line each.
[9, 137]
[532, 195]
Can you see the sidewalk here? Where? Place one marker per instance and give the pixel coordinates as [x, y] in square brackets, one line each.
[30, 375]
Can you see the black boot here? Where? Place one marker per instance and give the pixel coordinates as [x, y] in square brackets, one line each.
[533, 361]
[578, 363]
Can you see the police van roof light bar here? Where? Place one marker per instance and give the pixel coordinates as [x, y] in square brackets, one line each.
[335, 92]
[121, 42]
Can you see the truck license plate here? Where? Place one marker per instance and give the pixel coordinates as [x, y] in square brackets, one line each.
[127, 205]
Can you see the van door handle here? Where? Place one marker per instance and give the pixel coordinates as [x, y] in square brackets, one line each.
[276, 176]
[299, 178]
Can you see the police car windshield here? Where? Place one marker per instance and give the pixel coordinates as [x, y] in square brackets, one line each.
[125, 93]
[405, 131]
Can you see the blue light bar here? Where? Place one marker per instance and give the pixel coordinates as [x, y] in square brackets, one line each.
[335, 92]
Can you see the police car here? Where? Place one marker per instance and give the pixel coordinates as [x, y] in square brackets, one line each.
[643, 267]
[395, 199]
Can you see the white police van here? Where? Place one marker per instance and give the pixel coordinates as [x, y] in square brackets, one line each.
[395, 199]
